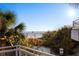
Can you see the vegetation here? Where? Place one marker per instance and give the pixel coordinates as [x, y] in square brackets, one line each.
[26, 42]
[29, 42]
[35, 41]
[13, 35]
[10, 34]
[59, 39]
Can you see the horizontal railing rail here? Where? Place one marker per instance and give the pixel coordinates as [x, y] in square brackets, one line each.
[4, 51]
[37, 52]
[23, 51]
[27, 52]
[8, 47]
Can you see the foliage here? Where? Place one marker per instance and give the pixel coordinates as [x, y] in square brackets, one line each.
[35, 41]
[59, 39]
[26, 42]
[12, 33]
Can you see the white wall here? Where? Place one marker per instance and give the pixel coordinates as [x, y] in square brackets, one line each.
[74, 34]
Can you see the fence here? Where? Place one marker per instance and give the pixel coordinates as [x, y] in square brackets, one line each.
[19, 50]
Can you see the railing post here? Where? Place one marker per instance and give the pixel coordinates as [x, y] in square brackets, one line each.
[19, 50]
[16, 51]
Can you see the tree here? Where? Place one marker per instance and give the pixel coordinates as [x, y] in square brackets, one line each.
[7, 19]
[7, 32]
[59, 39]
[16, 34]
[48, 37]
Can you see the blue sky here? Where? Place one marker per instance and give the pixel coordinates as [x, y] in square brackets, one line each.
[40, 16]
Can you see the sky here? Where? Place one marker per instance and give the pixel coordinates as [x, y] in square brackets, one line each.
[42, 16]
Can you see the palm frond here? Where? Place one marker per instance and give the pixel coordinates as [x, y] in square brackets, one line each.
[20, 27]
[10, 18]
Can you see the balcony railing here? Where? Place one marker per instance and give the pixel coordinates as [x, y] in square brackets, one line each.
[76, 24]
[19, 50]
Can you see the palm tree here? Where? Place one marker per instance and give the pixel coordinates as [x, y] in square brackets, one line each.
[7, 19]
[15, 35]
[18, 32]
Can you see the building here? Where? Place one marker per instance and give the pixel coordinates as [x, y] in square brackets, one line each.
[75, 30]
[34, 34]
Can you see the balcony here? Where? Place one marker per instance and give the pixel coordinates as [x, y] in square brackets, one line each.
[76, 24]
[19, 50]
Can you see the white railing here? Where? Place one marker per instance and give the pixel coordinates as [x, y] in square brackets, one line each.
[19, 50]
[76, 24]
